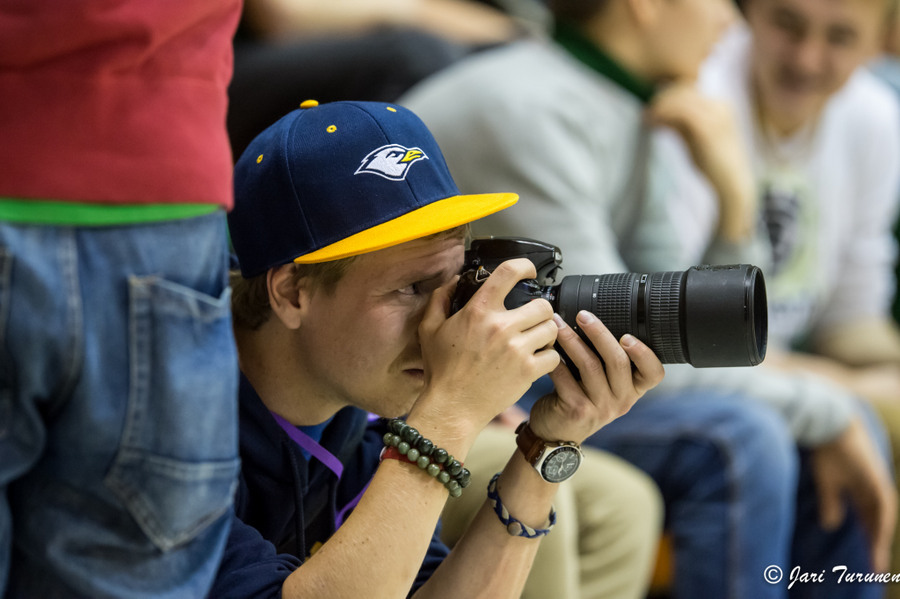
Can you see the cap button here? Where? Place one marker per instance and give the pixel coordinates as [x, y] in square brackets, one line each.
[309, 104]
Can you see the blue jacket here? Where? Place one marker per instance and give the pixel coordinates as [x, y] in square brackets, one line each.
[286, 504]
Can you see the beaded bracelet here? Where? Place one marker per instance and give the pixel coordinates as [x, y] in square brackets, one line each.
[513, 526]
[412, 447]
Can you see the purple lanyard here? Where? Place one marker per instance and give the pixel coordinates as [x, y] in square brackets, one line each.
[339, 519]
[311, 445]
[323, 455]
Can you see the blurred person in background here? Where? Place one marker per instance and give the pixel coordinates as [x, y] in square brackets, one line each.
[290, 50]
[824, 137]
[582, 128]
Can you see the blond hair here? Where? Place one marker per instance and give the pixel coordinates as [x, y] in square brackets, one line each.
[250, 307]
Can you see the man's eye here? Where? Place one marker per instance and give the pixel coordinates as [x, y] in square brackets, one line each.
[841, 37]
[410, 289]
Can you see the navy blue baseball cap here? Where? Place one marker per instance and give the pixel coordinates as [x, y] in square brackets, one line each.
[341, 179]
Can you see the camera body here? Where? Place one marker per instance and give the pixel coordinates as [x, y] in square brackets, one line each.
[706, 316]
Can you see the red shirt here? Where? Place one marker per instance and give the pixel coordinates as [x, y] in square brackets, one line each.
[116, 101]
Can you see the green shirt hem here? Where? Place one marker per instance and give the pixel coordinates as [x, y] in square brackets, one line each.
[56, 213]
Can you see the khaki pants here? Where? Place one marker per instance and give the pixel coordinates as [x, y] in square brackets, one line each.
[609, 520]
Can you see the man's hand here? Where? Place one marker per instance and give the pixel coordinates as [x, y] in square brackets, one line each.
[851, 467]
[482, 359]
[610, 384]
[710, 132]
[878, 384]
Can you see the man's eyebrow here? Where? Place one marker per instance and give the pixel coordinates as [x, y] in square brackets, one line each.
[430, 275]
[784, 12]
[419, 275]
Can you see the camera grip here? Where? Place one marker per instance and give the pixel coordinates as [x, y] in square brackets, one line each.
[523, 292]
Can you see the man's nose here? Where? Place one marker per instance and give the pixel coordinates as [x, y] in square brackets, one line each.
[809, 56]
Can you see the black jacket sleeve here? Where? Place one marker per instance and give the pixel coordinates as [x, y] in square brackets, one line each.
[251, 568]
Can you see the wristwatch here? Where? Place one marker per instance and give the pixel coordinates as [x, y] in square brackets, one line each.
[555, 461]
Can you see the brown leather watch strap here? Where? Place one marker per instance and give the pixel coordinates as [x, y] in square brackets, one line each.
[529, 443]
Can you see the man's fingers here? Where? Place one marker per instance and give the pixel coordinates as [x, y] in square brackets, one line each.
[590, 366]
[878, 511]
[497, 286]
[438, 306]
[537, 313]
[648, 370]
[547, 361]
[882, 540]
[615, 362]
[832, 503]
[542, 334]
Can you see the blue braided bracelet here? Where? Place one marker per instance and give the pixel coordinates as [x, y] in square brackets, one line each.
[513, 526]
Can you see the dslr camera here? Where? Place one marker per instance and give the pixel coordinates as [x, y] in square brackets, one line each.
[706, 316]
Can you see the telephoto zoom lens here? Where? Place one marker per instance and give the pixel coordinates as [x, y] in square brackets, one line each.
[706, 316]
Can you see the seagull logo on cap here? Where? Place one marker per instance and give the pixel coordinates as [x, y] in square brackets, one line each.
[391, 161]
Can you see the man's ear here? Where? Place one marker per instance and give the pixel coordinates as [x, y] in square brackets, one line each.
[288, 297]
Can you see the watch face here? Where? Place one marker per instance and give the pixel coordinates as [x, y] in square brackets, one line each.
[561, 463]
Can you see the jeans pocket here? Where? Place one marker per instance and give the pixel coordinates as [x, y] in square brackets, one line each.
[177, 464]
[6, 367]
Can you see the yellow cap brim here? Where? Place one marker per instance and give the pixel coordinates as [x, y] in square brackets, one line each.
[435, 217]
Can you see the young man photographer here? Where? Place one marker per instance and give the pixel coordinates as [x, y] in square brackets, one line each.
[350, 233]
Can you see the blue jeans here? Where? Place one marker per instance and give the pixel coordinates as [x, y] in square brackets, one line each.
[740, 499]
[739, 496]
[815, 550]
[727, 469]
[118, 418]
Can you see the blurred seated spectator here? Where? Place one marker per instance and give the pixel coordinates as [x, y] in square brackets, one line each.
[824, 137]
[568, 125]
[289, 50]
